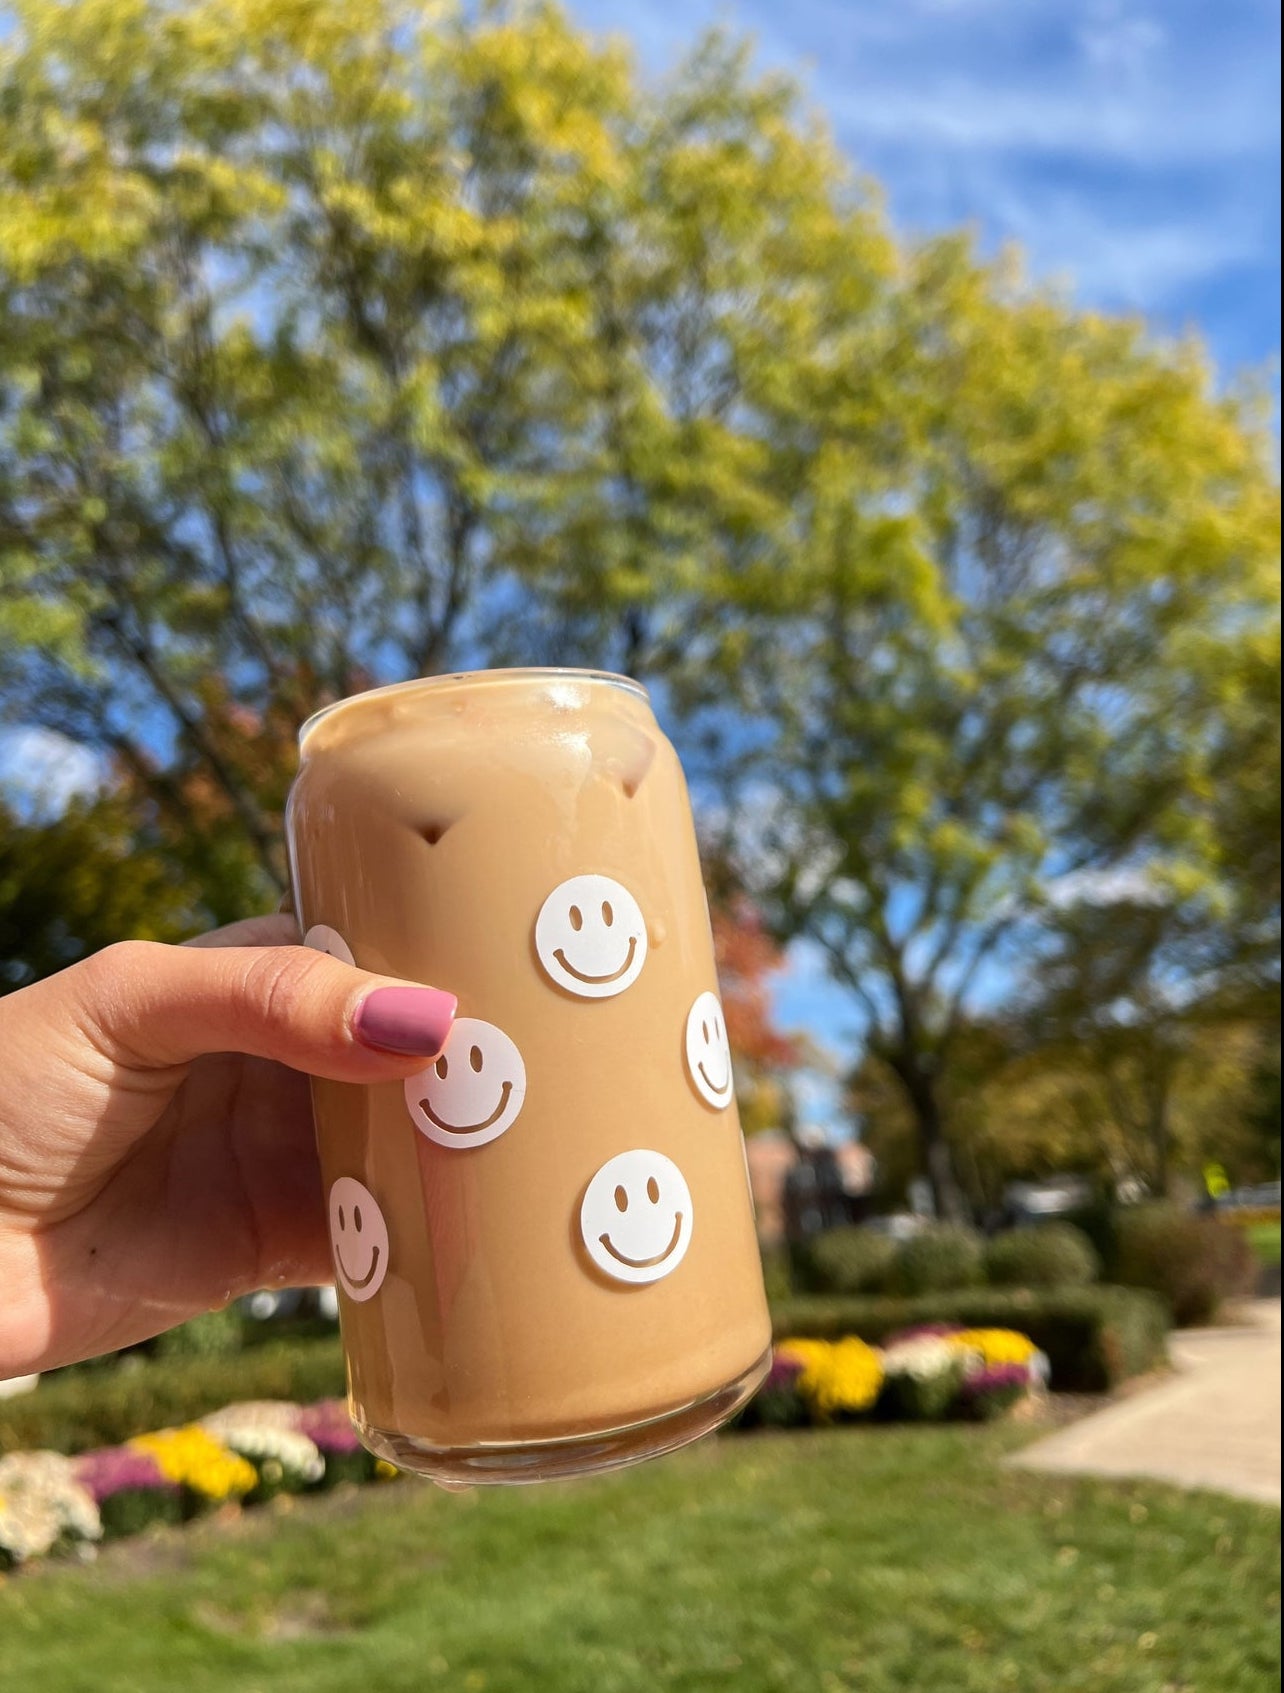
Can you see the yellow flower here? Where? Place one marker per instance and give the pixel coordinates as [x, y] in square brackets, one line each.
[191, 1457]
[839, 1377]
[995, 1346]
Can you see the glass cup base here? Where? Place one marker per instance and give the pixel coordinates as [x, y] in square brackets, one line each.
[522, 1463]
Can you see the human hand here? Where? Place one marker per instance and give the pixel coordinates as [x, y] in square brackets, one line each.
[157, 1156]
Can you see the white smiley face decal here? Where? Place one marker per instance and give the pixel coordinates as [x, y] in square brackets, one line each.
[358, 1238]
[474, 1091]
[708, 1053]
[321, 938]
[636, 1217]
[590, 937]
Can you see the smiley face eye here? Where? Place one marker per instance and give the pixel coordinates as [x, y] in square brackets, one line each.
[475, 1057]
[608, 916]
[577, 918]
[621, 1199]
[342, 1221]
[704, 1030]
[441, 1067]
[356, 1218]
[653, 1191]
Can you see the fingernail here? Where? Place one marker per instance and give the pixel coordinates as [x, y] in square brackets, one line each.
[415, 1020]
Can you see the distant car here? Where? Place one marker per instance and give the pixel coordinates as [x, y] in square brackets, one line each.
[272, 1304]
[1059, 1196]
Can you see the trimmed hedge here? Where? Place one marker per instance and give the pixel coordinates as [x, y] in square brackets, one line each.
[1042, 1255]
[1193, 1260]
[1094, 1337]
[941, 1259]
[108, 1405]
[848, 1259]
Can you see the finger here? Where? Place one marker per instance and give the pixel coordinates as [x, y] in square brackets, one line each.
[155, 1006]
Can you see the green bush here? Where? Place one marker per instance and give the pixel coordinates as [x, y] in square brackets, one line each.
[776, 1274]
[1094, 1337]
[214, 1334]
[135, 1509]
[1043, 1255]
[918, 1399]
[940, 1259]
[1191, 1259]
[108, 1406]
[847, 1260]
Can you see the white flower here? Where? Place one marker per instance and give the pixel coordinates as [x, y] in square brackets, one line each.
[923, 1360]
[265, 1445]
[41, 1503]
[253, 1413]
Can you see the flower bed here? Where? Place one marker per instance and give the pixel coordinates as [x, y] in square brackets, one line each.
[240, 1455]
[920, 1375]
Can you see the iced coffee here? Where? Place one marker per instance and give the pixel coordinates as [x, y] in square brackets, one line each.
[544, 1241]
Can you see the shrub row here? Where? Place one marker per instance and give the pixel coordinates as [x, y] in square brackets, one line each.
[106, 1406]
[1191, 1259]
[857, 1260]
[1094, 1337]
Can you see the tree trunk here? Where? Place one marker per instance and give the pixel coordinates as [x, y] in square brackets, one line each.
[938, 1163]
[1160, 1136]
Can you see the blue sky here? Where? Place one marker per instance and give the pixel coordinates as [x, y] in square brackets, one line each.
[1130, 146]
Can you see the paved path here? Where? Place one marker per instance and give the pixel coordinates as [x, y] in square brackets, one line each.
[1215, 1424]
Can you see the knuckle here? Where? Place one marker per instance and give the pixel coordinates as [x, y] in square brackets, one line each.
[121, 961]
[282, 985]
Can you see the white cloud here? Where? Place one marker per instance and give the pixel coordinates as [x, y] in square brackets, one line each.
[42, 772]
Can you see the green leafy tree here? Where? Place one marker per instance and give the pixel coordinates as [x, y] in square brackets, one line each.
[72, 885]
[1003, 667]
[345, 343]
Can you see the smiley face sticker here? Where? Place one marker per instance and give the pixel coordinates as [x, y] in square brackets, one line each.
[708, 1052]
[358, 1239]
[590, 937]
[473, 1093]
[321, 938]
[635, 1218]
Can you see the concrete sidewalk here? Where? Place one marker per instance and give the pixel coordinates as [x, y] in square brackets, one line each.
[1215, 1424]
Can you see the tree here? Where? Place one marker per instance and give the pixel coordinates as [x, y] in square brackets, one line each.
[990, 676]
[747, 958]
[343, 344]
[73, 885]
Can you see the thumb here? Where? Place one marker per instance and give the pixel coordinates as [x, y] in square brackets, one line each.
[153, 1006]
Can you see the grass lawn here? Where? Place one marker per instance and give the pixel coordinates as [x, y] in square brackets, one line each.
[1265, 1241]
[881, 1560]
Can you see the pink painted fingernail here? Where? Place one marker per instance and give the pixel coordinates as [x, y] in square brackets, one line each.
[413, 1020]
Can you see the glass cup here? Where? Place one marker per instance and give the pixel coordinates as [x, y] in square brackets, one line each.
[544, 1242]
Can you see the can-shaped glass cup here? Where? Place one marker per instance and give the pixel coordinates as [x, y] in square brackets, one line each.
[544, 1243]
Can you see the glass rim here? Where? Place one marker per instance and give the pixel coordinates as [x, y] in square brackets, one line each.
[447, 678]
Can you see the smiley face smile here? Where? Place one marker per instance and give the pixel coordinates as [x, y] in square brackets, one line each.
[717, 1087]
[594, 981]
[358, 1282]
[646, 1263]
[505, 1093]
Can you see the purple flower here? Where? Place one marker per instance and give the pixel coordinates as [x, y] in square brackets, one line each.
[999, 1378]
[119, 1469]
[328, 1426]
[783, 1375]
[922, 1331]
